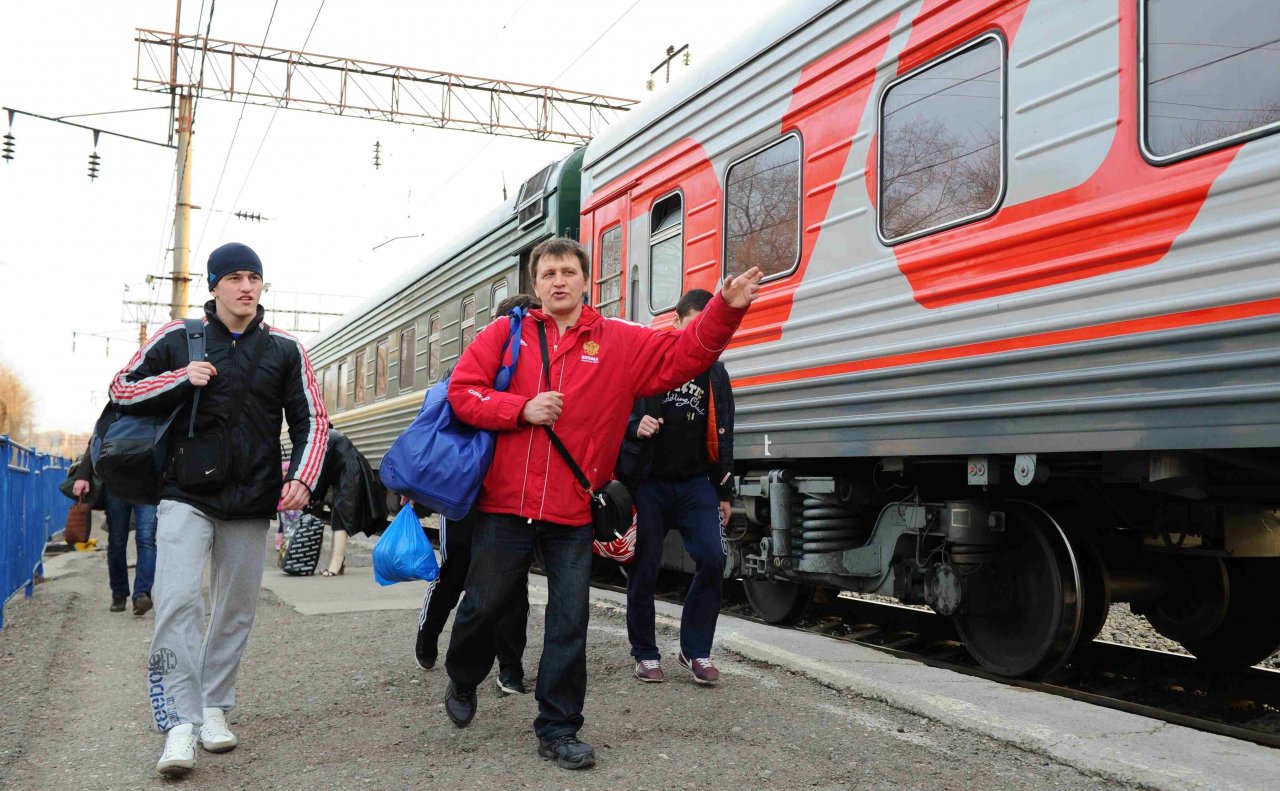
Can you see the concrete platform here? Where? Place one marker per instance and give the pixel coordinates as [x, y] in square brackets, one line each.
[1100, 742]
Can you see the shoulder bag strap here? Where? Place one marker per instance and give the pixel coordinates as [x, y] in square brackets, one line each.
[555, 440]
[195, 353]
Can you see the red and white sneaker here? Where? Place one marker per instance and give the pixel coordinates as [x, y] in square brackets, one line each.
[649, 670]
[704, 672]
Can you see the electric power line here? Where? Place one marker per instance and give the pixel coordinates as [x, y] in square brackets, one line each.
[554, 80]
[226, 161]
[249, 173]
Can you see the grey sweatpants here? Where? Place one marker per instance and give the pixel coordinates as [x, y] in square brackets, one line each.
[188, 671]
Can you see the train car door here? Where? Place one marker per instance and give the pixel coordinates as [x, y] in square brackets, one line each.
[607, 222]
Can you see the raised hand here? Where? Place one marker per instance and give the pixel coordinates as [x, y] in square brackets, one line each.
[741, 291]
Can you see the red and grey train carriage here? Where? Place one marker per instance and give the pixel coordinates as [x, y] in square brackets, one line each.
[1016, 353]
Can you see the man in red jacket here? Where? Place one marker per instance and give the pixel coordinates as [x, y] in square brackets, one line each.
[530, 498]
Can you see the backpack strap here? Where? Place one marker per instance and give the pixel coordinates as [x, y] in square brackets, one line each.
[195, 353]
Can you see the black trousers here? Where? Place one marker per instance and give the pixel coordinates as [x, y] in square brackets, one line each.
[509, 632]
[504, 548]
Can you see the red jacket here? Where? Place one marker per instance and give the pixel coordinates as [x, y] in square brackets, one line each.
[601, 366]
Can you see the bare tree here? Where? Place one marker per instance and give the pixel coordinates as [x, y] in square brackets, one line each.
[930, 176]
[17, 408]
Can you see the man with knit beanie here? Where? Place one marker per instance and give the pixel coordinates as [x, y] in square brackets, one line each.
[251, 375]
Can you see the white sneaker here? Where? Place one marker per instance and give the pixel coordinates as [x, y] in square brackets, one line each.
[179, 756]
[215, 736]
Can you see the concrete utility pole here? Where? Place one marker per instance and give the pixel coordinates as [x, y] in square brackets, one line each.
[182, 214]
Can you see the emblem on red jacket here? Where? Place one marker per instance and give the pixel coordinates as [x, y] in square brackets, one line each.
[591, 347]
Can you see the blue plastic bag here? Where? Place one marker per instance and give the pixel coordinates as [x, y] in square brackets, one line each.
[404, 553]
[439, 462]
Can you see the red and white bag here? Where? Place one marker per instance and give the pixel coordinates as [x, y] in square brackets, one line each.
[621, 549]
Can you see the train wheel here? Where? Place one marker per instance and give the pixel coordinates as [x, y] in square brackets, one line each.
[1197, 605]
[1023, 613]
[778, 601]
[1250, 630]
[1095, 588]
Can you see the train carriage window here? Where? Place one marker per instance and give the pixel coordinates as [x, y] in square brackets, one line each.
[360, 378]
[408, 361]
[633, 295]
[344, 382]
[666, 259]
[1203, 73]
[433, 348]
[942, 143]
[329, 388]
[495, 299]
[380, 365]
[762, 210]
[468, 323]
[609, 285]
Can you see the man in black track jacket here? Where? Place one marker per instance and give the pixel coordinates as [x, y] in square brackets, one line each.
[678, 462]
[191, 677]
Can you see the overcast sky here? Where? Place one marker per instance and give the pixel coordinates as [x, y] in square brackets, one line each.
[69, 247]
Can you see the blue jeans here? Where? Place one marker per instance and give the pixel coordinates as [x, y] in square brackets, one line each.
[502, 549]
[118, 538]
[691, 505]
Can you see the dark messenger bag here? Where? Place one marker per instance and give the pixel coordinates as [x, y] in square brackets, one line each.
[130, 452]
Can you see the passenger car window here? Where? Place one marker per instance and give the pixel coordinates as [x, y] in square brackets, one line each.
[942, 143]
[762, 210]
[468, 323]
[408, 361]
[433, 348]
[344, 382]
[1203, 74]
[666, 259]
[380, 370]
[609, 284]
[360, 380]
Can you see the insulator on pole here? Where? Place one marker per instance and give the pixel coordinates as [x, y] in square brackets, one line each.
[8, 141]
[377, 154]
[94, 159]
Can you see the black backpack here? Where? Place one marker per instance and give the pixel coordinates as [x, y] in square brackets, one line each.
[129, 451]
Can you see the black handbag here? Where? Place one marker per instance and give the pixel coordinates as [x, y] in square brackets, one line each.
[611, 503]
[204, 462]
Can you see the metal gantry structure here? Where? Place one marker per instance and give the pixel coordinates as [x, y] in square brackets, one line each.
[190, 67]
[276, 77]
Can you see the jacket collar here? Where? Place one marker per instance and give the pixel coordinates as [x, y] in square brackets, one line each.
[211, 315]
[588, 318]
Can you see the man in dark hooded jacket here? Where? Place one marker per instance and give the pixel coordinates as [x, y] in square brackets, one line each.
[252, 374]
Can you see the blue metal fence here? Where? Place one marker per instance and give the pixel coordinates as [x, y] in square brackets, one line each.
[31, 510]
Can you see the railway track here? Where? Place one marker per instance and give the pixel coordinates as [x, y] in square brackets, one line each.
[1242, 704]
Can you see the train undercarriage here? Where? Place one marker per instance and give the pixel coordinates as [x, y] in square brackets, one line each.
[1027, 554]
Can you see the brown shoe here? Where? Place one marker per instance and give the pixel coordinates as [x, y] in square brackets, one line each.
[141, 604]
[703, 671]
[649, 670]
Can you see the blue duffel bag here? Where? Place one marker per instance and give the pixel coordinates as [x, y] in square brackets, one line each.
[439, 462]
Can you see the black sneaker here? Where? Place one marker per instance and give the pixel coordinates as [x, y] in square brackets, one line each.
[141, 603]
[117, 603]
[460, 705]
[567, 752]
[425, 651]
[511, 684]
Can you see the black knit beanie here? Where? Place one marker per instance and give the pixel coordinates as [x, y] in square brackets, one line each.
[232, 257]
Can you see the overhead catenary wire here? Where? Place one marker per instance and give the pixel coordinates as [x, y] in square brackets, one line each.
[553, 81]
[230, 147]
[249, 173]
